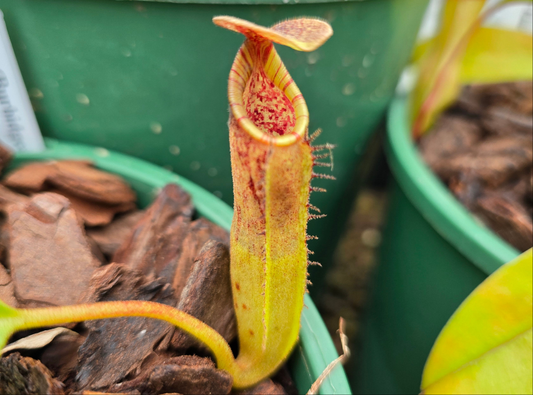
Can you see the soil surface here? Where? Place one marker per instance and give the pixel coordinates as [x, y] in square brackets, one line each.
[70, 233]
[482, 149]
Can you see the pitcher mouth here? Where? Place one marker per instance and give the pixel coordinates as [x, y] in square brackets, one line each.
[240, 74]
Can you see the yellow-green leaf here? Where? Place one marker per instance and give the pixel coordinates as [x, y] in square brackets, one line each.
[498, 55]
[491, 59]
[438, 82]
[493, 55]
[485, 348]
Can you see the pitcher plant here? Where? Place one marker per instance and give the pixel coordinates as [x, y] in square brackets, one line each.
[272, 166]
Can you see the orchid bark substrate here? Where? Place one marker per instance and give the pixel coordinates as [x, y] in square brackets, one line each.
[272, 165]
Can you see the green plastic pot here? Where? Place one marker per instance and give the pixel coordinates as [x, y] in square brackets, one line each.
[433, 254]
[149, 79]
[315, 349]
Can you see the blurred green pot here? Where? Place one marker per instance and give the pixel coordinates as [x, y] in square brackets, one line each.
[433, 254]
[315, 349]
[149, 79]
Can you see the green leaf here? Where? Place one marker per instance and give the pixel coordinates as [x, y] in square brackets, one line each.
[486, 346]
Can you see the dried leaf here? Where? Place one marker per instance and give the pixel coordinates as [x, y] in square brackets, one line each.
[39, 340]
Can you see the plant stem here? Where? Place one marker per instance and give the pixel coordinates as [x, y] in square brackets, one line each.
[244, 370]
[35, 318]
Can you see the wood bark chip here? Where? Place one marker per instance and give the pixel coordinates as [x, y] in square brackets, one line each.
[61, 357]
[7, 197]
[516, 97]
[190, 374]
[494, 161]
[5, 157]
[135, 392]
[184, 374]
[451, 134]
[283, 378]
[7, 290]
[32, 177]
[50, 259]
[116, 348]
[109, 238]
[4, 240]
[466, 188]
[92, 184]
[267, 387]
[500, 122]
[77, 177]
[95, 251]
[94, 213]
[207, 295]
[512, 221]
[199, 232]
[26, 376]
[522, 189]
[154, 244]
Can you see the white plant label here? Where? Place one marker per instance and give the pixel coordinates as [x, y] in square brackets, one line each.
[18, 127]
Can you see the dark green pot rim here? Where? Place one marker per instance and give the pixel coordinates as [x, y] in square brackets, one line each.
[315, 349]
[438, 206]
